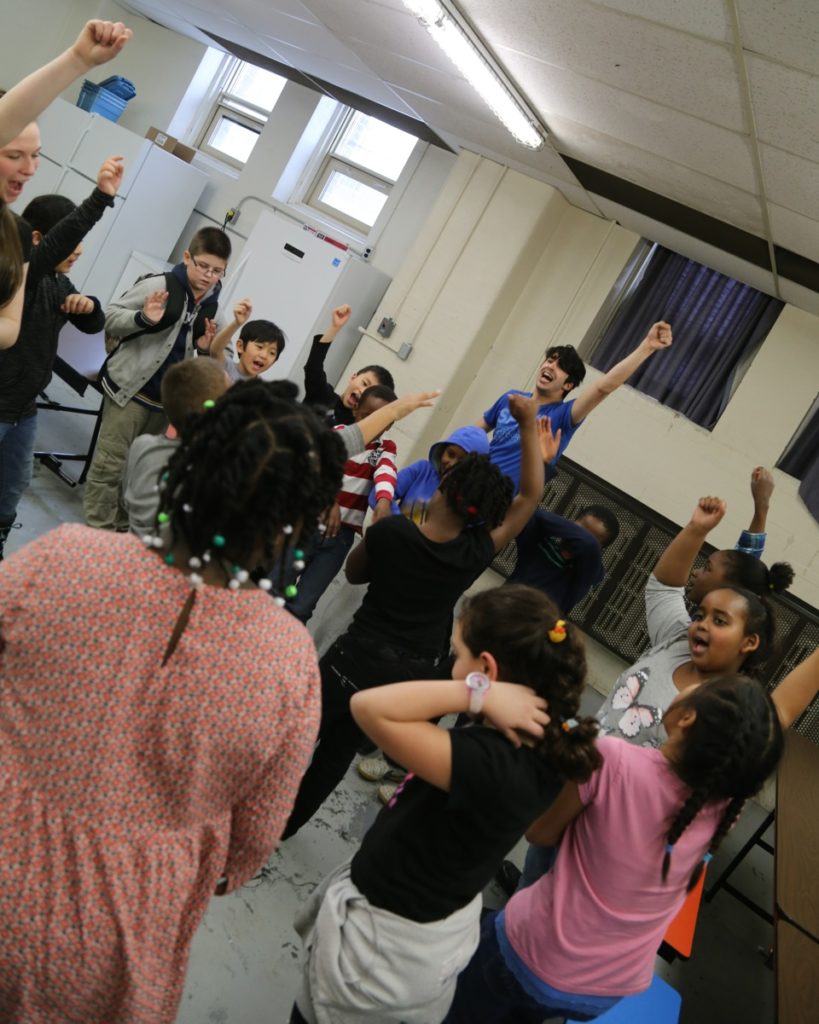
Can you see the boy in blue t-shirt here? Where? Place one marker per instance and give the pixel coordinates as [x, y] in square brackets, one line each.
[561, 371]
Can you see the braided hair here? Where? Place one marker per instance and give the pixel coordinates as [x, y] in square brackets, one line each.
[514, 623]
[743, 570]
[731, 747]
[248, 467]
[477, 491]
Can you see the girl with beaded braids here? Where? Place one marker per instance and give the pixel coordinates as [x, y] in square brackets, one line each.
[415, 885]
[416, 574]
[635, 838]
[153, 734]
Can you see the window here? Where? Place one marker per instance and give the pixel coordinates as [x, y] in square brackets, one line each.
[801, 459]
[363, 163]
[240, 113]
[718, 326]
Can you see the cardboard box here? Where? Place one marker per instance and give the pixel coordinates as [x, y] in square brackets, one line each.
[170, 144]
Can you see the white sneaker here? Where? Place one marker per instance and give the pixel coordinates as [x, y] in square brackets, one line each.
[378, 769]
[386, 791]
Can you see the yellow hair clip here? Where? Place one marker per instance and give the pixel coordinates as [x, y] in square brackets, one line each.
[557, 634]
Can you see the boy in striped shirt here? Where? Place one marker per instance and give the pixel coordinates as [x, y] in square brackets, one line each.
[375, 468]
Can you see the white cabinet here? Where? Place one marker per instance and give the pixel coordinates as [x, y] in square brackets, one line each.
[157, 197]
[295, 278]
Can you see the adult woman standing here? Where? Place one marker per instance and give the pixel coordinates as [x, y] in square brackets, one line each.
[156, 712]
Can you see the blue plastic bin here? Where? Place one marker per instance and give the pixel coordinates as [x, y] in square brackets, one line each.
[122, 87]
[97, 100]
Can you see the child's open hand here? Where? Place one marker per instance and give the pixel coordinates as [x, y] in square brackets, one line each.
[75, 303]
[207, 336]
[341, 314]
[549, 442]
[153, 308]
[762, 486]
[100, 41]
[109, 176]
[708, 513]
[409, 403]
[242, 311]
[515, 709]
[659, 336]
[523, 409]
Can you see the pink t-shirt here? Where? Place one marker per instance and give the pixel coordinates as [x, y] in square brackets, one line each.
[593, 925]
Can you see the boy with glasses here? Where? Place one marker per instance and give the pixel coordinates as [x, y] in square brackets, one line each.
[157, 323]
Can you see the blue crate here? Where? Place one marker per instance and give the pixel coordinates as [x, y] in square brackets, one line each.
[122, 87]
[97, 100]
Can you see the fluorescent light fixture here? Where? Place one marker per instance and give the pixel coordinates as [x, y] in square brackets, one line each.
[477, 70]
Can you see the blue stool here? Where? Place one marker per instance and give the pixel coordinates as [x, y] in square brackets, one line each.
[659, 1004]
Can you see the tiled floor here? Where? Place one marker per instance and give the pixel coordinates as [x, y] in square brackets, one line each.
[244, 965]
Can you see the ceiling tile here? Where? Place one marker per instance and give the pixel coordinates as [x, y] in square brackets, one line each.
[795, 232]
[639, 122]
[785, 104]
[658, 174]
[637, 56]
[699, 17]
[784, 30]
[791, 181]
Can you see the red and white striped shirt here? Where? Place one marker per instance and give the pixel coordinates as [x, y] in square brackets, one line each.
[374, 467]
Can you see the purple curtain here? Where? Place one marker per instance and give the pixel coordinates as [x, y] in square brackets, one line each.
[716, 322]
[802, 461]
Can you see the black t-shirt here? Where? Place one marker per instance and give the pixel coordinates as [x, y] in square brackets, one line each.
[415, 583]
[428, 853]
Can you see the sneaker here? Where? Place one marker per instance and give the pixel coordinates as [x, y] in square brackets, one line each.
[378, 769]
[386, 791]
[507, 877]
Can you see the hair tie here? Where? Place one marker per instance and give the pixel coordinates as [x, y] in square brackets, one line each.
[471, 510]
[569, 724]
[669, 848]
[707, 858]
[208, 403]
[557, 634]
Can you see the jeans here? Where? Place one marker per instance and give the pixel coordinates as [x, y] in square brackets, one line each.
[350, 665]
[324, 557]
[489, 992]
[16, 462]
[539, 861]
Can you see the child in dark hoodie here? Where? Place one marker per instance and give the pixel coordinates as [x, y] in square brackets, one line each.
[417, 482]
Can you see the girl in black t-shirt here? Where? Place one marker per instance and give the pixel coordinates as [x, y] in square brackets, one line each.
[416, 574]
[387, 934]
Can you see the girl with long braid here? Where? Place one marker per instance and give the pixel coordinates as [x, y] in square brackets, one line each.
[635, 839]
[156, 712]
[388, 932]
[416, 574]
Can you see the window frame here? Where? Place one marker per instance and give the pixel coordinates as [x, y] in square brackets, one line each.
[324, 160]
[227, 106]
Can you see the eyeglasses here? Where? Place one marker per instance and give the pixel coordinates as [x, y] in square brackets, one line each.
[207, 269]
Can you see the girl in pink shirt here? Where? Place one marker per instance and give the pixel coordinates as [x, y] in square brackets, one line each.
[637, 835]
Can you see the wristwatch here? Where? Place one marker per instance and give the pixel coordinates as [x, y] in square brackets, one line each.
[477, 683]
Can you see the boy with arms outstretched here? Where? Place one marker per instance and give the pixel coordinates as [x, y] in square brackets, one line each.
[317, 390]
[154, 325]
[561, 371]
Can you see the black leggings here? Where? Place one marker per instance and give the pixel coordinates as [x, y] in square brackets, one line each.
[350, 665]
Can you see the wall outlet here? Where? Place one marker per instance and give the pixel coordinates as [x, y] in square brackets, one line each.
[386, 327]
[404, 350]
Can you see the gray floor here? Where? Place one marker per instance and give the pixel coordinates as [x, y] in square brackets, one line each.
[244, 965]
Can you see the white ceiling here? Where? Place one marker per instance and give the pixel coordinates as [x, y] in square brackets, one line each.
[711, 103]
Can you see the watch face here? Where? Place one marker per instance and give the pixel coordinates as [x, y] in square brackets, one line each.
[477, 682]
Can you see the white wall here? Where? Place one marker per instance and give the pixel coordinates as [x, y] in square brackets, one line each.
[159, 63]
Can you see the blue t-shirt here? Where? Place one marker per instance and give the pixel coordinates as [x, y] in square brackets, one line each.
[504, 448]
